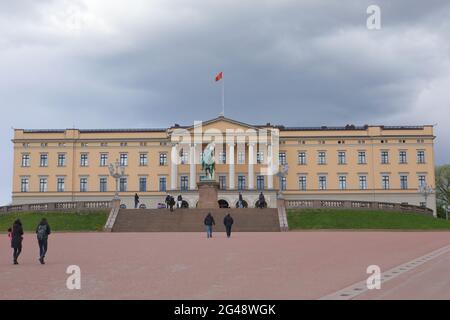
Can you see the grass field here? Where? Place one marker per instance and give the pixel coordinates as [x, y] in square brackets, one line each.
[59, 221]
[354, 219]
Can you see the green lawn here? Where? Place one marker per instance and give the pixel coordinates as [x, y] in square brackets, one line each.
[361, 219]
[59, 221]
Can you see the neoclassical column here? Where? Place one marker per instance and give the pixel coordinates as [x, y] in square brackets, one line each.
[174, 167]
[231, 169]
[192, 168]
[251, 161]
[269, 165]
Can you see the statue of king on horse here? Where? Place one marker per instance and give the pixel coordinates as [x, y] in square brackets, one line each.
[208, 161]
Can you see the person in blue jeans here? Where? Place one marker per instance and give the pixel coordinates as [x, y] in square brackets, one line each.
[209, 223]
[42, 232]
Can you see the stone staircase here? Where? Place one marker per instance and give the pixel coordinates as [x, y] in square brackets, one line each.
[191, 220]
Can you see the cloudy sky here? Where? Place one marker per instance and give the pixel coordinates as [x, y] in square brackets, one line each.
[143, 63]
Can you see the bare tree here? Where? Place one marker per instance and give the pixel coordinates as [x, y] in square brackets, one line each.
[443, 184]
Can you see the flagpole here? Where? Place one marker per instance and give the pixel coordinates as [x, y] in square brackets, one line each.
[223, 95]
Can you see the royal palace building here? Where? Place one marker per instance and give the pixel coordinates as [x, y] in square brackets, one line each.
[366, 163]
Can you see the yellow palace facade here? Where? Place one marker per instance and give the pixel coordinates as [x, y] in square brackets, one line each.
[364, 163]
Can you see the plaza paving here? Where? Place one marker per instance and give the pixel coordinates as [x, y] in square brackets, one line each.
[294, 265]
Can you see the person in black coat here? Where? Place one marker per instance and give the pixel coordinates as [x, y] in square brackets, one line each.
[209, 223]
[228, 222]
[16, 239]
[42, 233]
[168, 201]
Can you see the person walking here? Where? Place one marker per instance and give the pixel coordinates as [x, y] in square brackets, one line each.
[16, 239]
[180, 201]
[209, 223]
[261, 201]
[136, 201]
[228, 222]
[42, 233]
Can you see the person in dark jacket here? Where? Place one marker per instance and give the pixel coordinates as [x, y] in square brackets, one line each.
[228, 222]
[261, 201]
[42, 232]
[16, 239]
[209, 223]
[136, 201]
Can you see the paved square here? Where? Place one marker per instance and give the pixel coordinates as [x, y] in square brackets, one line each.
[294, 265]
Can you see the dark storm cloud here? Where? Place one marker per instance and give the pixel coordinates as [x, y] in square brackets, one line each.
[152, 63]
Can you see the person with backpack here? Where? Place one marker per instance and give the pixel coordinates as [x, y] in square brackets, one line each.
[16, 239]
[209, 222]
[228, 222]
[42, 232]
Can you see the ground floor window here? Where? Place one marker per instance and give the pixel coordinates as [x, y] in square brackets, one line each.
[260, 182]
[184, 183]
[162, 184]
[241, 182]
[103, 184]
[25, 185]
[222, 182]
[142, 184]
[123, 185]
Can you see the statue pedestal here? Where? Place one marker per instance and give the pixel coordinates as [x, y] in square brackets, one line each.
[208, 192]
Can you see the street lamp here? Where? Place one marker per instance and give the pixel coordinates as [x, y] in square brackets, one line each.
[281, 174]
[116, 171]
[425, 191]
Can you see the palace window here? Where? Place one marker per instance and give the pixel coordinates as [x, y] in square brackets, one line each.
[363, 182]
[342, 182]
[123, 159]
[184, 183]
[302, 158]
[163, 159]
[43, 185]
[222, 157]
[260, 157]
[341, 157]
[361, 157]
[25, 160]
[241, 157]
[184, 157]
[403, 182]
[402, 157]
[222, 182]
[385, 182]
[260, 182]
[44, 160]
[60, 185]
[103, 184]
[103, 159]
[302, 183]
[321, 157]
[282, 158]
[61, 160]
[84, 160]
[241, 182]
[322, 182]
[24, 185]
[384, 157]
[123, 185]
[422, 181]
[420, 156]
[143, 159]
[162, 184]
[83, 184]
[142, 184]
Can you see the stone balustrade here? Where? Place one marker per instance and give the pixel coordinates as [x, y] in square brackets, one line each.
[348, 204]
[58, 206]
